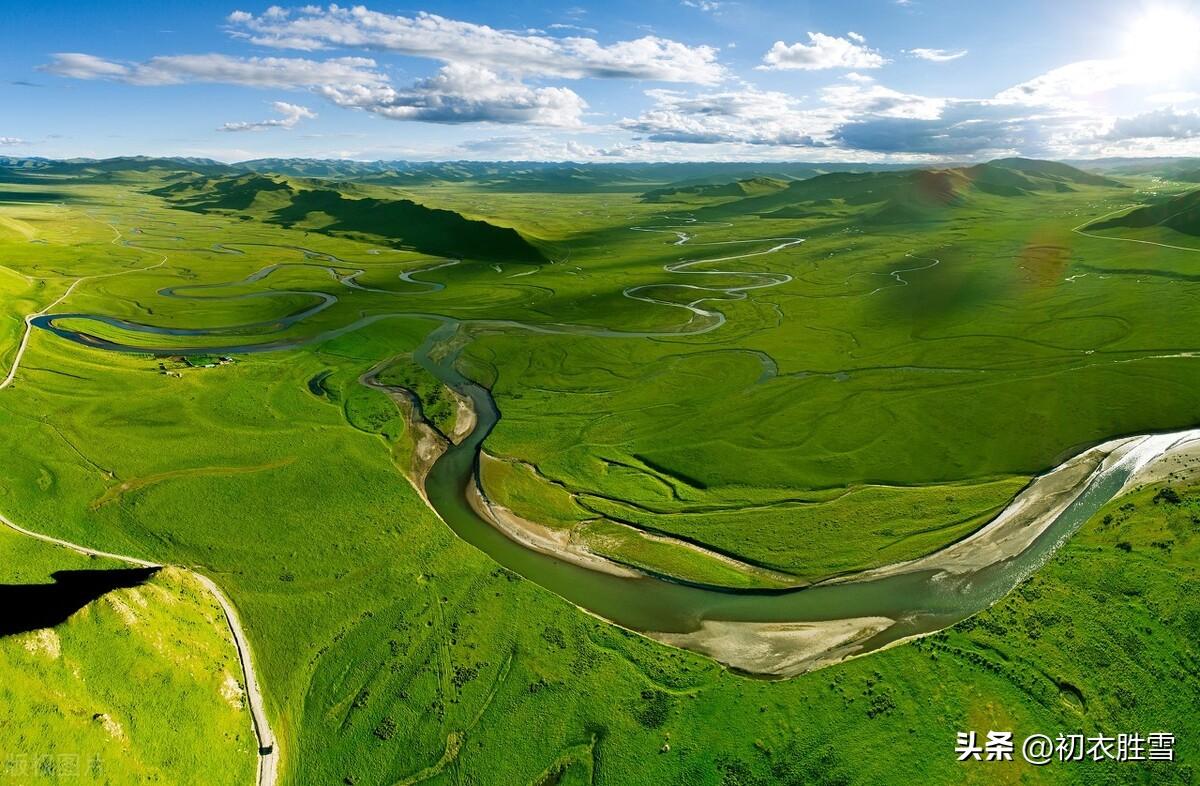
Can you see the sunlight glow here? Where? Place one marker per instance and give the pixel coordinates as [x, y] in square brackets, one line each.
[1162, 41]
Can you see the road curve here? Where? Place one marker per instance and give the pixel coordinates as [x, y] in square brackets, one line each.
[1081, 230]
[268, 752]
[12, 372]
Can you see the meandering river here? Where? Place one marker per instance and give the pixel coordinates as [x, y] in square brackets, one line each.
[768, 632]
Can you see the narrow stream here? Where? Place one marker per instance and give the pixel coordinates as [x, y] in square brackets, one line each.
[913, 601]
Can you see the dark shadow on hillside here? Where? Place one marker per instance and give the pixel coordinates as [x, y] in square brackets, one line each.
[29, 607]
[34, 196]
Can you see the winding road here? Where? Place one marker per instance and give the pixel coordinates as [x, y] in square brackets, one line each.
[268, 753]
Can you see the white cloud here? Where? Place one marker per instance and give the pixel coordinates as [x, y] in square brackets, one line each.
[822, 51]
[763, 118]
[857, 117]
[464, 94]
[1161, 123]
[1065, 86]
[531, 148]
[747, 116]
[292, 114]
[866, 98]
[576, 28]
[857, 37]
[278, 72]
[9, 141]
[965, 128]
[936, 55]
[456, 94]
[1173, 97]
[704, 5]
[453, 41]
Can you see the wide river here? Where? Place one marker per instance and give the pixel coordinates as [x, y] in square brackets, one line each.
[912, 599]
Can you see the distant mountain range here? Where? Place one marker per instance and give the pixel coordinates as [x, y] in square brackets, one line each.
[885, 197]
[502, 176]
[1186, 170]
[535, 176]
[343, 198]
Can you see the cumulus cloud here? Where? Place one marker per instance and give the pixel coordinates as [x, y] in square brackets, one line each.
[822, 52]
[461, 93]
[1067, 85]
[452, 41]
[292, 114]
[857, 116]
[751, 117]
[1166, 123]
[458, 93]
[936, 55]
[488, 75]
[755, 117]
[278, 72]
[858, 97]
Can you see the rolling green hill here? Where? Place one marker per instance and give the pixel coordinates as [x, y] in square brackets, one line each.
[317, 207]
[1185, 170]
[754, 186]
[1181, 213]
[912, 195]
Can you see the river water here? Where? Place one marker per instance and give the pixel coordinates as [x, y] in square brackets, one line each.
[916, 600]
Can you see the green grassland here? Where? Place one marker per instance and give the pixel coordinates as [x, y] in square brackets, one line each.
[845, 419]
[142, 685]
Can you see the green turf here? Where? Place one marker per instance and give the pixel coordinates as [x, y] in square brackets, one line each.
[848, 418]
[140, 686]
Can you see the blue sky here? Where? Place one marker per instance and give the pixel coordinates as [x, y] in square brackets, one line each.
[859, 80]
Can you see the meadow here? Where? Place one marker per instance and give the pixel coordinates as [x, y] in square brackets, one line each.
[873, 408]
[142, 685]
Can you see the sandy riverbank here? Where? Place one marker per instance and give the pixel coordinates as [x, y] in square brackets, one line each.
[778, 649]
[558, 543]
[784, 649]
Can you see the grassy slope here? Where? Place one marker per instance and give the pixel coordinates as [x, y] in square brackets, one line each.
[399, 221]
[377, 662]
[1180, 213]
[140, 686]
[866, 367]
[389, 649]
[879, 382]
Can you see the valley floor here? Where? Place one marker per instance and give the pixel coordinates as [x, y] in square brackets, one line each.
[753, 421]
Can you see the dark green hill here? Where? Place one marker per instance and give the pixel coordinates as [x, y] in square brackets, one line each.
[754, 186]
[912, 195]
[316, 207]
[1054, 170]
[1181, 213]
